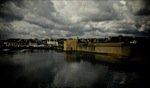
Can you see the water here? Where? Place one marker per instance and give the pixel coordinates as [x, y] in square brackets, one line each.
[52, 69]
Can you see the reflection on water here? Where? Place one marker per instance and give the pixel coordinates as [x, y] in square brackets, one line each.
[79, 75]
[51, 69]
[91, 57]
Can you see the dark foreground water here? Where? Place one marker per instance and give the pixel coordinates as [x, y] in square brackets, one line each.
[51, 69]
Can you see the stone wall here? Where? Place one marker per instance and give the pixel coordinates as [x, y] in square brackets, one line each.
[109, 48]
[70, 45]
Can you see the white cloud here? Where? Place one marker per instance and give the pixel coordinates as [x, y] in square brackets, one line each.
[76, 11]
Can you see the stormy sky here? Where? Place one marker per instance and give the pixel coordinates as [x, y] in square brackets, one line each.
[74, 18]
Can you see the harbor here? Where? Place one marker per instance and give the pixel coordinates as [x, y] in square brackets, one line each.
[120, 46]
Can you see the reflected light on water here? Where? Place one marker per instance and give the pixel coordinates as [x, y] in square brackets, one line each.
[80, 74]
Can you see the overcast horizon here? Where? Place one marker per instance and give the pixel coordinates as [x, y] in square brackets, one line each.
[74, 18]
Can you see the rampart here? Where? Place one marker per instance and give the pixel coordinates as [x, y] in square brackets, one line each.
[118, 48]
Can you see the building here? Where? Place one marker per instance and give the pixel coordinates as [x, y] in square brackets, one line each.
[52, 42]
[12, 43]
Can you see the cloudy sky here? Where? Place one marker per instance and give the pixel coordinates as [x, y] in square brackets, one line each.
[74, 18]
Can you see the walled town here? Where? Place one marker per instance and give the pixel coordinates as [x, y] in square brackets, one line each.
[120, 45]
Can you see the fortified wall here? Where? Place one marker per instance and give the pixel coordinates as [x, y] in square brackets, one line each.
[118, 48]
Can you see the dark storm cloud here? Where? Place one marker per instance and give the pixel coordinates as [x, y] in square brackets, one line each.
[84, 18]
[146, 9]
[25, 17]
[9, 16]
[50, 26]
[3, 1]
[135, 33]
[75, 34]
[7, 13]
[17, 2]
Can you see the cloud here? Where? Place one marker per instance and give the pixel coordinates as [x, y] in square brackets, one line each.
[8, 13]
[85, 18]
[145, 10]
[77, 11]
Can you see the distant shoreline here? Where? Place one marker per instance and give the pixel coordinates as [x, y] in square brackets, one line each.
[18, 48]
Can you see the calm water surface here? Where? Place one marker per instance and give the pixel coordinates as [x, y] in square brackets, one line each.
[51, 69]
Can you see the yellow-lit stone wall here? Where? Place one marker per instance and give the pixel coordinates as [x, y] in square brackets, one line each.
[110, 48]
[84, 48]
[70, 45]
